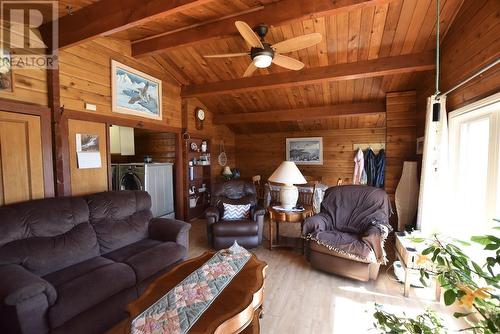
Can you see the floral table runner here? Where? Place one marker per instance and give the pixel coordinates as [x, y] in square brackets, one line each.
[181, 307]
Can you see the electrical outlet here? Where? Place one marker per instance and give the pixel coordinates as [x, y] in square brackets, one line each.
[90, 106]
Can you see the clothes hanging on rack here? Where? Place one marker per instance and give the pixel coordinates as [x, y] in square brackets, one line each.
[379, 169]
[359, 167]
[370, 170]
[373, 171]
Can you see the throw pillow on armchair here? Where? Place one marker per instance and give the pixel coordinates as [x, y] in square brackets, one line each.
[236, 211]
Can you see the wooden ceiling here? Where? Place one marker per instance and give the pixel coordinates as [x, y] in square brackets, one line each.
[73, 5]
[359, 31]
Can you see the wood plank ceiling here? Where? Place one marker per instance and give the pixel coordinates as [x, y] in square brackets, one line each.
[384, 29]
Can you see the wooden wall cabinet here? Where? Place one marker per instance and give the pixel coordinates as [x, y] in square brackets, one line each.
[21, 162]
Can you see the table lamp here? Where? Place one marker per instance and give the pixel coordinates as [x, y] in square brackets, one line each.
[288, 174]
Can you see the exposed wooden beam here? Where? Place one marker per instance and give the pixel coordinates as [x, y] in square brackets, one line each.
[338, 72]
[272, 14]
[106, 17]
[62, 173]
[323, 112]
[171, 68]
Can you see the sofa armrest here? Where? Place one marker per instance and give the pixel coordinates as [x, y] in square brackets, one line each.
[212, 214]
[257, 212]
[319, 222]
[164, 229]
[374, 237]
[19, 285]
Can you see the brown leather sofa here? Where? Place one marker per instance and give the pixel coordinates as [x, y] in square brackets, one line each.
[247, 232]
[347, 237]
[72, 264]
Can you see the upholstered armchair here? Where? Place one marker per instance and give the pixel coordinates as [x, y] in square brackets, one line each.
[247, 231]
[347, 237]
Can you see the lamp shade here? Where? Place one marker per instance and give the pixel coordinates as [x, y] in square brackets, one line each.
[287, 173]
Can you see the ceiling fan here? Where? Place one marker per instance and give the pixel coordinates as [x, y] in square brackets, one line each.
[264, 54]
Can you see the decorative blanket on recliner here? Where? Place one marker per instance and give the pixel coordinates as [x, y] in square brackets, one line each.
[181, 307]
[348, 213]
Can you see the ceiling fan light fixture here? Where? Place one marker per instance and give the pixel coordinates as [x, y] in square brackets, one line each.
[262, 61]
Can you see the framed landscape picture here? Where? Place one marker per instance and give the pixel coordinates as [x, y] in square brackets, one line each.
[134, 92]
[305, 151]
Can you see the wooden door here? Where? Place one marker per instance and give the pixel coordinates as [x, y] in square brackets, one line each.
[21, 164]
[87, 181]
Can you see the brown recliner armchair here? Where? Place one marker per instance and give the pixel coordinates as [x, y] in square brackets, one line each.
[247, 232]
[347, 237]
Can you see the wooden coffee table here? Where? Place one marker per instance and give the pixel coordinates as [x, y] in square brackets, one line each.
[236, 310]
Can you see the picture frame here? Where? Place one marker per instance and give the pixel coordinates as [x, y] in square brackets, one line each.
[305, 151]
[134, 92]
[6, 73]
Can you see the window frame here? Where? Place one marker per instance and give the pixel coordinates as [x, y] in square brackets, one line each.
[485, 108]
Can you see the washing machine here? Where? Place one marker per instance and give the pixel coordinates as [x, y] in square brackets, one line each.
[131, 176]
[156, 179]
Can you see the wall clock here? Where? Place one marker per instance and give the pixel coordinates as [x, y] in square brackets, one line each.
[200, 117]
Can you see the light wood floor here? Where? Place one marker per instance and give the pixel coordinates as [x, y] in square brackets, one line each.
[300, 299]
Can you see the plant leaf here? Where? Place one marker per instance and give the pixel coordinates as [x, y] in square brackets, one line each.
[417, 239]
[449, 297]
[428, 250]
[492, 246]
[480, 239]
[461, 315]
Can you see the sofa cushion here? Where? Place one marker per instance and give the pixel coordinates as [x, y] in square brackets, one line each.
[238, 190]
[46, 235]
[119, 218]
[41, 218]
[43, 255]
[147, 257]
[85, 285]
[235, 228]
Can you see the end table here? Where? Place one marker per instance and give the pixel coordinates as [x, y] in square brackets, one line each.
[407, 253]
[292, 217]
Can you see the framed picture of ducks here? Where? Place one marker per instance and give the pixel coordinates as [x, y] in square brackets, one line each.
[134, 92]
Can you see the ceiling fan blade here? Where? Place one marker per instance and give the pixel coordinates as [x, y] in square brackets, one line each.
[224, 55]
[248, 34]
[298, 43]
[250, 69]
[287, 62]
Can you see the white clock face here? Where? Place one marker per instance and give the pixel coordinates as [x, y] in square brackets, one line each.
[201, 114]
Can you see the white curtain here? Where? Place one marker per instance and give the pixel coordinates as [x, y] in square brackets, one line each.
[433, 208]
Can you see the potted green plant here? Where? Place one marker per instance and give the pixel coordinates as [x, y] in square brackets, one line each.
[473, 286]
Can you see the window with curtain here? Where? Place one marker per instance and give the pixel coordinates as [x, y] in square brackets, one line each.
[475, 167]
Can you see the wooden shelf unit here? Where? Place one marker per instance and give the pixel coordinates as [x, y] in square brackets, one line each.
[202, 175]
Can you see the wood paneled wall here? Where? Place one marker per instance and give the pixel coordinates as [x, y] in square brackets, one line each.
[159, 145]
[472, 42]
[87, 181]
[30, 85]
[85, 76]
[401, 116]
[216, 133]
[261, 154]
